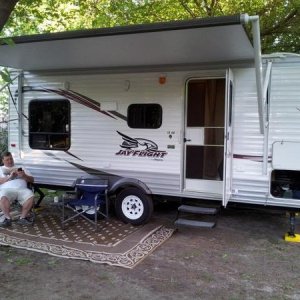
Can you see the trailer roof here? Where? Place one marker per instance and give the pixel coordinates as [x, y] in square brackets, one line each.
[179, 43]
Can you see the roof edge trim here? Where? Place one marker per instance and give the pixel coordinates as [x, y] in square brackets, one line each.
[132, 29]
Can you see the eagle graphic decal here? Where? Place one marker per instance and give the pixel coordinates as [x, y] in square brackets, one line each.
[139, 147]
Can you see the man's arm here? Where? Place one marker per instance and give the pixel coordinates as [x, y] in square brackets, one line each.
[26, 177]
[5, 178]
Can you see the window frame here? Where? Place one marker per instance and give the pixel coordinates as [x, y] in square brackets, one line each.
[49, 134]
[129, 119]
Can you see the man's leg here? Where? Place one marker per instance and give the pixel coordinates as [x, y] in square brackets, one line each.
[26, 207]
[5, 197]
[25, 198]
[5, 206]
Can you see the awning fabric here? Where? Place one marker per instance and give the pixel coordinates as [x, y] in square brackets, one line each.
[199, 41]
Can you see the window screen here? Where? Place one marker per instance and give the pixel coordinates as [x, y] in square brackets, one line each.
[144, 116]
[49, 124]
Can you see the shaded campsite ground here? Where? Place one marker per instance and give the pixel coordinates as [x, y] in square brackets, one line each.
[244, 257]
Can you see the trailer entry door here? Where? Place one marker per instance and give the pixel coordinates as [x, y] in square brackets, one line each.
[228, 139]
[204, 136]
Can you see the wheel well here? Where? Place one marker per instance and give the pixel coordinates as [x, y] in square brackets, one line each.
[125, 183]
[122, 188]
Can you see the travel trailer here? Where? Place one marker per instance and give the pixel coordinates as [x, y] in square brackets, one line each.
[184, 109]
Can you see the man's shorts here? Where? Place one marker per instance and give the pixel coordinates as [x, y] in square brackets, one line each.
[22, 195]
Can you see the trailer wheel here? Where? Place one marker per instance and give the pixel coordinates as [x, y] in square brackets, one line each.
[133, 206]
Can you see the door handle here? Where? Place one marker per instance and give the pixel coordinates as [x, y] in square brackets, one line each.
[187, 140]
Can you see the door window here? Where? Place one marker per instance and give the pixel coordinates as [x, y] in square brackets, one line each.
[206, 109]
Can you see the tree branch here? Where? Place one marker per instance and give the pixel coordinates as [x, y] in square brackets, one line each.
[186, 7]
[198, 4]
[6, 7]
[280, 24]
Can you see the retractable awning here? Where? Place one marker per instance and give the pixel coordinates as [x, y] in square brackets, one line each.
[199, 41]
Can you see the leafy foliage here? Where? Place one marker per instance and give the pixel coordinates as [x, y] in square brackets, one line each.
[4, 73]
[3, 141]
[3, 117]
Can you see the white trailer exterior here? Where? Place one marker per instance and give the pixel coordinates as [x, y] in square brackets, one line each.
[211, 137]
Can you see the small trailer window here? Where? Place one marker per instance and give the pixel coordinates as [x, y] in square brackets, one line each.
[285, 184]
[49, 124]
[144, 116]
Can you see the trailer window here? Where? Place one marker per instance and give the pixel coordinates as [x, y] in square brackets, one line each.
[144, 116]
[49, 124]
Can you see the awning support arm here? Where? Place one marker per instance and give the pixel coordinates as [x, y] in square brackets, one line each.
[266, 118]
[258, 66]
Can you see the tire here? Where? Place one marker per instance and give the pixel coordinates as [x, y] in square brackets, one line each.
[133, 206]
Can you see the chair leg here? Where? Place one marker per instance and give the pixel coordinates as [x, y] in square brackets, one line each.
[81, 214]
[96, 214]
[106, 204]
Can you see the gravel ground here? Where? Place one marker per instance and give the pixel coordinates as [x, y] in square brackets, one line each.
[243, 257]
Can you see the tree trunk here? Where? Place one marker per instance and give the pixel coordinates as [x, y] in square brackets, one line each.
[6, 7]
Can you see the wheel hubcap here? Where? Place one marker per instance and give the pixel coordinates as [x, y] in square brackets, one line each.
[132, 207]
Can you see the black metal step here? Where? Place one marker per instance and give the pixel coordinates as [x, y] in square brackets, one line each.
[198, 209]
[193, 223]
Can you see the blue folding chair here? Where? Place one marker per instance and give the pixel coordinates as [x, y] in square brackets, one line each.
[92, 195]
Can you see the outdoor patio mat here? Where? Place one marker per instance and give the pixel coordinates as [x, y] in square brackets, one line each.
[115, 243]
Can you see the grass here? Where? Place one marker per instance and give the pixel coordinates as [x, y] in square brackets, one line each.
[23, 261]
[52, 262]
[12, 257]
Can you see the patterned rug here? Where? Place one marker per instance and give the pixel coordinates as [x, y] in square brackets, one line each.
[115, 243]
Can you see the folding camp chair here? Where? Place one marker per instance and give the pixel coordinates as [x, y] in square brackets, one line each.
[92, 194]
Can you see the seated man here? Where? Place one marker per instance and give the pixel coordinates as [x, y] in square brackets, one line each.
[13, 186]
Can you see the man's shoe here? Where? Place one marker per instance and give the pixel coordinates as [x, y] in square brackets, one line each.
[5, 223]
[24, 221]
